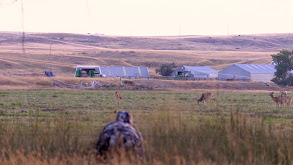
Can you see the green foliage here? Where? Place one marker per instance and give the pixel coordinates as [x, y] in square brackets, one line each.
[166, 69]
[78, 73]
[284, 63]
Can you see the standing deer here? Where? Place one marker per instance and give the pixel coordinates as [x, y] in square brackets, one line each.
[118, 96]
[288, 101]
[205, 97]
[283, 93]
[285, 100]
[276, 99]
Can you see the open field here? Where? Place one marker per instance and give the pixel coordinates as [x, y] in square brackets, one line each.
[61, 52]
[41, 124]
[61, 126]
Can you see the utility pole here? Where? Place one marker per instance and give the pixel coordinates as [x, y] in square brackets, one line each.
[23, 34]
[50, 48]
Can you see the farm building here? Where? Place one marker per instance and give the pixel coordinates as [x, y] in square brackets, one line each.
[248, 72]
[111, 71]
[201, 72]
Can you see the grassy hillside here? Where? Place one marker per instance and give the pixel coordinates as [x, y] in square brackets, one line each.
[61, 52]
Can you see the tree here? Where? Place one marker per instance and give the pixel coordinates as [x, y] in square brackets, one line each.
[166, 69]
[284, 64]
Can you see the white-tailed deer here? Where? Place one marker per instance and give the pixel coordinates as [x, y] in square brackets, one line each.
[283, 93]
[276, 99]
[285, 100]
[205, 97]
[118, 96]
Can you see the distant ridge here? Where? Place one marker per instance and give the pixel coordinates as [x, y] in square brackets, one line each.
[60, 52]
[257, 42]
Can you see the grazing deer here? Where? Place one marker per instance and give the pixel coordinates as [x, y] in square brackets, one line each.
[205, 97]
[276, 99]
[118, 96]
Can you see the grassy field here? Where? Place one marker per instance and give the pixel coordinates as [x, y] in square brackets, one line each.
[61, 126]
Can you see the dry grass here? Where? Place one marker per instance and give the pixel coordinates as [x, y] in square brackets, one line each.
[49, 52]
[169, 139]
[30, 82]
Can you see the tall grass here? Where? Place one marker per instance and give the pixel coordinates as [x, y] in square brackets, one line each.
[221, 140]
[238, 128]
[168, 139]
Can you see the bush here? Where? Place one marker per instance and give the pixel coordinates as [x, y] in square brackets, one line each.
[166, 69]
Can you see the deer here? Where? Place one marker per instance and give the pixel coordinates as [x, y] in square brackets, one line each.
[276, 99]
[205, 97]
[288, 101]
[283, 93]
[118, 96]
[285, 100]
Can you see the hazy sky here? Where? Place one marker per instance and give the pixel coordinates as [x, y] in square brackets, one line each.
[149, 17]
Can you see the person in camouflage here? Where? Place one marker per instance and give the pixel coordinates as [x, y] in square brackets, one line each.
[120, 134]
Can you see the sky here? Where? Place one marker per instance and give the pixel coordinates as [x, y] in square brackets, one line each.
[148, 17]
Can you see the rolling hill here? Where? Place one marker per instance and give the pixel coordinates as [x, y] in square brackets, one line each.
[60, 52]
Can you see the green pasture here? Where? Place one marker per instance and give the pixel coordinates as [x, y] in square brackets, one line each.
[102, 104]
[236, 127]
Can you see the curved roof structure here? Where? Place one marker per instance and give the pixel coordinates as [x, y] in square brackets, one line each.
[252, 68]
[201, 69]
[118, 71]
[123, 71]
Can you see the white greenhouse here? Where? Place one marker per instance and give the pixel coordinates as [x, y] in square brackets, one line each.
[248, 72]
[111, 71]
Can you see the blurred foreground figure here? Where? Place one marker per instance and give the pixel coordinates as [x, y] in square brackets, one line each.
[120, 136]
